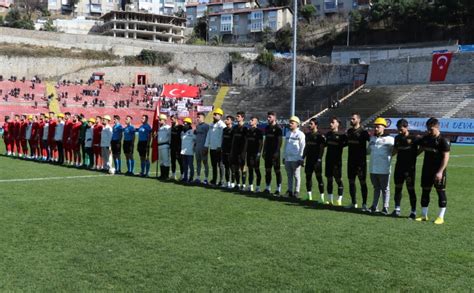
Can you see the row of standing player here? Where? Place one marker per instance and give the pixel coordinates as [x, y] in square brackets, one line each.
[234, 147]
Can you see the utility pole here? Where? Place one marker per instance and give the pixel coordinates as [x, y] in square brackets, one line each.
[348, 28]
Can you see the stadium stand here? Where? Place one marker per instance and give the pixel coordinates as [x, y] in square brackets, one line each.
[258, 101]
[437, 100]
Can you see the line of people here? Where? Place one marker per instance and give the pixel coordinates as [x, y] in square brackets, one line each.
[235, 151]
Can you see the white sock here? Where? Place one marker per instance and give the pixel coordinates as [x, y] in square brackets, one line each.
[441, 212]
[322, 197]
[339, 198]
[268, 188]
[331, 197]
[397, 208]
[310, 195]
[279, 188]
[251, 187]
[424, 211]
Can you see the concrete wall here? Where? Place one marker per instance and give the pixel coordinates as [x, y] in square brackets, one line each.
[418, 70]
[211, 61]
[44, 67]
[251, 74]
[77, 69]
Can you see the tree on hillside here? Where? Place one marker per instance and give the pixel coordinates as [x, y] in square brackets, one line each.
[308, 11]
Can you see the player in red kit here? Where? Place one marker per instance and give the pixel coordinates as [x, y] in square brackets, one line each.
[7, 136]
[96, 137]
[53, 149]
[67, 138]
[74, 140]
[23, 141]
[16, 136]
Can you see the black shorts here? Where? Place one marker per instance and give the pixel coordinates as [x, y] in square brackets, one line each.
[142, 148]
[115, 144]
[312, 166]
[334, 169]
[402, 174]
[226, 159]
[357, 169]
[428, 179]
[270, 162]
[253, 161]
[237, 160]
[128, 147]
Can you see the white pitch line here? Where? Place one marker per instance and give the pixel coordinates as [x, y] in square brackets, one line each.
[49, 178]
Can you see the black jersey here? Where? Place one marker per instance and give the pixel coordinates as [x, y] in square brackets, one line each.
[434, 147]
[227, 140]
[335, 143]
[357, 144]
[273, 133]
[314, 143]
[407, 150]
[254, 138]
[239, 133]
[176, 136]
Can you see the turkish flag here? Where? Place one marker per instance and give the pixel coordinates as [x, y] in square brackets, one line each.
[156, 127]
[440, 65]
[180, 91]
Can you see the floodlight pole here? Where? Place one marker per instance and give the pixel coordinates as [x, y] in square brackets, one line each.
[293, 88]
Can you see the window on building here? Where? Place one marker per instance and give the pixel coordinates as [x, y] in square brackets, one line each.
[228, 6]
[226, 18]
[256, 26]
[272, 24]
[226, 27]
[236, 18]
[340, 5]
[212, 19]
[272, 14]
[256, 15]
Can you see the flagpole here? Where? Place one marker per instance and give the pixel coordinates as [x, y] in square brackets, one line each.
[293, 82]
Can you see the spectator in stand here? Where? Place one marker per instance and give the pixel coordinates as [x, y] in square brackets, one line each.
[293, 159]
[214, 143]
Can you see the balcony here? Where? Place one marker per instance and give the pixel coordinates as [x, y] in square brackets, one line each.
[96, 8]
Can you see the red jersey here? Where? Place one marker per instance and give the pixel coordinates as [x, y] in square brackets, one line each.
[34, 131]
[67, 130]
[23, 126]
[40, 129]
[96, 134]
[6, 135]
[76, 129]
[16, 130]
[52, 128]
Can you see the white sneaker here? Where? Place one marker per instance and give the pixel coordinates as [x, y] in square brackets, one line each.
[364, 208]
[351, 206]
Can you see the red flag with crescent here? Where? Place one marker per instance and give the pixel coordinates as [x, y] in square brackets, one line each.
[440, 65]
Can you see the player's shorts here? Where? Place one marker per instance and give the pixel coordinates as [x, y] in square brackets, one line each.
[237, 160]
[428, 179]
[357, 169]
[253, 161]
[52, 144]
[128, 147]
[226, 159]
[142, 148]
[115, 145]
[97, 150]
[312, 166]
[75, 147]
[271, 162]
[402, 174]
[333, 169]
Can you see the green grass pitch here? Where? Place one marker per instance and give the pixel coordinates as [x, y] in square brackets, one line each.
[118, 233]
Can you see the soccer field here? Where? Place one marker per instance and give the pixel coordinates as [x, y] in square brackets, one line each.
[64, 229]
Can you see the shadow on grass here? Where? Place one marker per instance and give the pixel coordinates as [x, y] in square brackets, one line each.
[268, 196]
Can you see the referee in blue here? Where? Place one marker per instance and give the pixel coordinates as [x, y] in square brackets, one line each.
[143, 147]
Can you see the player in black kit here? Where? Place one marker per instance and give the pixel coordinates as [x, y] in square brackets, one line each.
[357, 138]
[313, 152]
[254, 148]
[175, 145]
[226, 148]
[335, 143]
[436, 149]
[271, 152]
[406, 149]
[237, 153]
